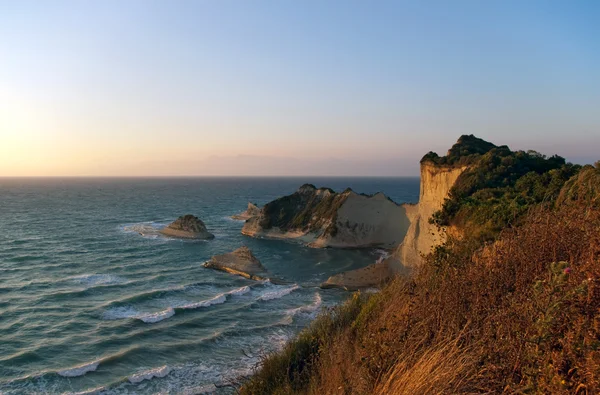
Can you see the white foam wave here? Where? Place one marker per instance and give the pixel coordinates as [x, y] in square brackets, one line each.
[311, 308]
[381, 255]
[156, 317]
[123, 312]
[205, 303]
[218, 299]
[150, 374]
[79, 370]
[280, 293]
[240, 291]
[92, 391]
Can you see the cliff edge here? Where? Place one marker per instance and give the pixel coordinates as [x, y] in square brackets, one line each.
[422, 236]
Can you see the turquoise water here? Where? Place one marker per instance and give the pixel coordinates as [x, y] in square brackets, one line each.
[87, 304]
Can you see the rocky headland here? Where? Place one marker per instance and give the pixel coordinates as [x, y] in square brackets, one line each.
[240, 262]
[251, 211]
[320, 217]
[187, 227]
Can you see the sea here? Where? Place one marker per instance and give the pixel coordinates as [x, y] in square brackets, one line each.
[94, 300]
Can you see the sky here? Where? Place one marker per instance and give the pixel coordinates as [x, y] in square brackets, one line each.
[312, 87]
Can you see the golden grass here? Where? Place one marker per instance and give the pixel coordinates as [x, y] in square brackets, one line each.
[518, 316]
[439, 369]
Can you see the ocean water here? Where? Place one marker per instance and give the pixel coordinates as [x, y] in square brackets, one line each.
[90, 305]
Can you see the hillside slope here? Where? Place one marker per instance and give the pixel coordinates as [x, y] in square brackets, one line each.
[514, 310]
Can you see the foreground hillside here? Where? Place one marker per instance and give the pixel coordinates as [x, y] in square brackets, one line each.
[509, 303]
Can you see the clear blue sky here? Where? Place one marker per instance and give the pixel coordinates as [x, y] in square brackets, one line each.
[290, 87]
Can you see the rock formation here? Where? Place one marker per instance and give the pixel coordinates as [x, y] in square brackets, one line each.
[252, 211]
[367, 277]
[241, 262]
[323, 218]
[187, 227]
[419, 238]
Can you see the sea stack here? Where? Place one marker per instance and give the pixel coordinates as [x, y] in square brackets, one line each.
[241, 262]
[187, 227]
[251, 211]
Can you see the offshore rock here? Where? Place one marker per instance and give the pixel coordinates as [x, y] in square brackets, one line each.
[187, 227]
[241, 262]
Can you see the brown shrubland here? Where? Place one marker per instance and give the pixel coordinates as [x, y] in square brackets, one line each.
[520, 315]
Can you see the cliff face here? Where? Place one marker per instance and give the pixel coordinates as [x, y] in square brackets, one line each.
[324, 218]
[421, 237]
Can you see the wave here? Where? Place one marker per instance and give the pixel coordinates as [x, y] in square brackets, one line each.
[381, 254]
[310, 308]
[156, 317]
[154, 293]
[79, 370]
[218, 299]
[279, 293]
[149, 374]
[129, 311]
[91, 391]
[87, 367]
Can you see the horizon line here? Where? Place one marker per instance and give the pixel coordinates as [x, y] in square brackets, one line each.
[214, 176]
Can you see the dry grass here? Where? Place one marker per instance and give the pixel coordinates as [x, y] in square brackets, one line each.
[439, 369]
[521, 315]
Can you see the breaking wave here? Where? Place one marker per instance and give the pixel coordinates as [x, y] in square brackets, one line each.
[149, 374]
[280, 293]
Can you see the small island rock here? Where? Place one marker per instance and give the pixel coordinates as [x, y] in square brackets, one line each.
[187, 227]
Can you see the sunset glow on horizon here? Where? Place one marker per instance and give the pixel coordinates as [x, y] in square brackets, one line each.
[150, 88]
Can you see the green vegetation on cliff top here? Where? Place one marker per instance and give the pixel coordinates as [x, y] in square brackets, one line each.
[498, 186]
[519, 314]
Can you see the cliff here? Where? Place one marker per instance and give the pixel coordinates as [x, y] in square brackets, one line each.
[422, 236]
[419, 238]
[323, 218]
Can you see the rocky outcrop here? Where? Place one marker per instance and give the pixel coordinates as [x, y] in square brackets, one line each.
[187, 227]
[252, 211]
[367, 277]
[321, 217]
[241, 262]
